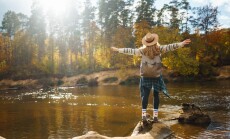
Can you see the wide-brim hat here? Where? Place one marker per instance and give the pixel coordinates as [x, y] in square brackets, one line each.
[150, 39]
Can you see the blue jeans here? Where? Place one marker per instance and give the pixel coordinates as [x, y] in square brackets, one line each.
[146, 84]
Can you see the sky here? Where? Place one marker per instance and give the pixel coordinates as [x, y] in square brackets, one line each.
[24, 6]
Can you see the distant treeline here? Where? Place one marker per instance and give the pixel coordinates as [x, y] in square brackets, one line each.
[79, 42]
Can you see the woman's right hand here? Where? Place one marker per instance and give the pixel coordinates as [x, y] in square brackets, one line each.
[114, 49]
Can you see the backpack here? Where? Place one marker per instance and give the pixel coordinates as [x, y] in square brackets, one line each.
[150, 70]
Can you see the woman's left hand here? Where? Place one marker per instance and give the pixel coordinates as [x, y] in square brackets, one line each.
[187, 41]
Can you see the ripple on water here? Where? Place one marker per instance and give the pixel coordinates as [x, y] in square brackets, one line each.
[214, 134]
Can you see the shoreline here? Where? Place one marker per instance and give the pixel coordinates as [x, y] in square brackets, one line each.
[110, 77]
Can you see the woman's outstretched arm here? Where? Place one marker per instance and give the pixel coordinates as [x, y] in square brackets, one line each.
[174, 46]
[128, 51]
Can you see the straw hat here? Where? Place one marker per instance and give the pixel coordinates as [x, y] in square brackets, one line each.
[150, 39]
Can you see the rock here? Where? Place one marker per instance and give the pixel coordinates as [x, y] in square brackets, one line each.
[150, 130]
[91, 135]
[192, 114]
[2, 137]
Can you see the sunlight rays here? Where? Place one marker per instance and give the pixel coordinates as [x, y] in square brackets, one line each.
[56, 7]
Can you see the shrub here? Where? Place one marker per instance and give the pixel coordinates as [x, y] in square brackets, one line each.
[82, 80]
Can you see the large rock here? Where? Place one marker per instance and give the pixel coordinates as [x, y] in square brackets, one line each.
[192, 114]
[149, 131]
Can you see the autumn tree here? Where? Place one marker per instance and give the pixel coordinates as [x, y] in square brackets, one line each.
[219, 46]
[182, 60]
[12, 24]
[3, 53]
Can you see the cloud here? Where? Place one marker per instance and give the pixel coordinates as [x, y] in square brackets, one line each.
[224, 20]
[218, 3]
[224, 17]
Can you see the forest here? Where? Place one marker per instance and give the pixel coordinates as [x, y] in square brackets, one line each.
[45, 44]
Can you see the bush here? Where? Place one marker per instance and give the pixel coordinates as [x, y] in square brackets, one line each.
[82, 80]
[60, 82]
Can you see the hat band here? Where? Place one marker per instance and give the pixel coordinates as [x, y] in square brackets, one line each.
[150, 41]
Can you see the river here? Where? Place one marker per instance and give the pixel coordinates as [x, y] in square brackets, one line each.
[64, 113]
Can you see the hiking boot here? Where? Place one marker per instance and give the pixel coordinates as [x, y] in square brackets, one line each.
[144, 122]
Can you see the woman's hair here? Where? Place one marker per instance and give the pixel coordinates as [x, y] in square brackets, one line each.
[151, 51]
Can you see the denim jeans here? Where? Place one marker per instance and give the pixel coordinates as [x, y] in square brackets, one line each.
[146, 85]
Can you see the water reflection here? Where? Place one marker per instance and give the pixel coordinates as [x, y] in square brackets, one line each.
[109, 110]
[53, 95]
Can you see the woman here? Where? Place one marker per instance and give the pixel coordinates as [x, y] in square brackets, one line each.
[151, 69]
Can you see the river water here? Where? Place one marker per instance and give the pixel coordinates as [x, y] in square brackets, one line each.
[64, 113]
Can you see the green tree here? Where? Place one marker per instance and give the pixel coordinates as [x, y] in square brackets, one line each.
[174, 13]
[184, 15]
[89, 29]
[74, 35]
[145, 11]
[126, 14]
[37, 29]
[13, 23]
[10, 23]
[160, 16]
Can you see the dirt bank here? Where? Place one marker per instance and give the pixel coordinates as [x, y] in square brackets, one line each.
[112, 77]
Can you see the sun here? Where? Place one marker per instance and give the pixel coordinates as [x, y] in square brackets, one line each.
[57, 7]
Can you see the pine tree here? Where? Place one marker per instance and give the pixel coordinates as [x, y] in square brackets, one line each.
[10, 23]
[89, 29]
[126, 14]
[146, 11]
[37, 29]
[184, 15]
[161, 16]
[174, 13]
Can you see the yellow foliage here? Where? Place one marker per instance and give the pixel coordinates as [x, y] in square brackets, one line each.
[141, 29]
[102, 57]
[167, 35]
[3, 66]
[182, 62]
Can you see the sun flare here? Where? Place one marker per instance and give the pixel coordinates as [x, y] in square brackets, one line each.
[57, 7]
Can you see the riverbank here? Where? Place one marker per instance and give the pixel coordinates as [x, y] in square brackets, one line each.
[111, 77]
